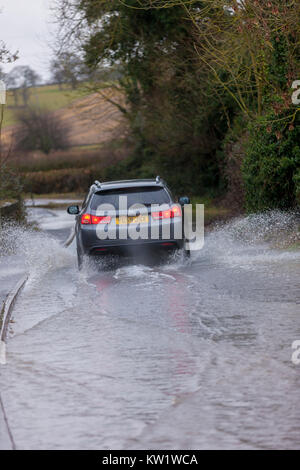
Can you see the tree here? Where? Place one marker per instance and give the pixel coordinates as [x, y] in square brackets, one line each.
[190, 70]
[11, 83]
[173, 113]
[41, 130]
[67, 68]
[57, 74]
[6, 55]
[22, 78]
[252, 50]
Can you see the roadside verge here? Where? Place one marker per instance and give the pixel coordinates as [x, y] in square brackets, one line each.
[5, 315]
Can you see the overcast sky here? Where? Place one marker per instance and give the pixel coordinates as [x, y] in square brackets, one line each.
[27, 26]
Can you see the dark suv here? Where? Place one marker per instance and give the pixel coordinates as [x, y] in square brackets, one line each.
[125, 217]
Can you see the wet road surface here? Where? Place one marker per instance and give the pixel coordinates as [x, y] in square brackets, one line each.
[189, 354]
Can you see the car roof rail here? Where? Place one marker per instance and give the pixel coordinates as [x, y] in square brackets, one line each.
[95, 186]
[159, 180]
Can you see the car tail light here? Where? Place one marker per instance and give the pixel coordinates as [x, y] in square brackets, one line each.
[174, 211]
[102, 219]
[95, 219]
[86, 219]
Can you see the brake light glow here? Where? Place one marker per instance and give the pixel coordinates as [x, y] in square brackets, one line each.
[174, 211]
[86, 219]
[103, 219]
[94, 219]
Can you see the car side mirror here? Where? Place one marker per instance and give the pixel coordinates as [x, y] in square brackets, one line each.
[184, 200]
[73, 210]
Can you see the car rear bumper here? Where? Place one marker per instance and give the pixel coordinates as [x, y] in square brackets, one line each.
[89, 242]
[134, 247]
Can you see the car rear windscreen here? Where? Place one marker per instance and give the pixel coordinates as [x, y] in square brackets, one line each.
[147, 196]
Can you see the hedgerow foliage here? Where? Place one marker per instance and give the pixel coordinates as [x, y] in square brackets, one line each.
[272, 162]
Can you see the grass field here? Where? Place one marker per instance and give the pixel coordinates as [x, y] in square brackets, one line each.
[88, 117]
[50, 97]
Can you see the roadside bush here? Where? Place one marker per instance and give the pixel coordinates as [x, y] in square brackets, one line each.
[272, 162]
[231, 156]
[191, 174]
[41, 130]
[11, 190]
[58, 181]
[10, 183]
[68, 171]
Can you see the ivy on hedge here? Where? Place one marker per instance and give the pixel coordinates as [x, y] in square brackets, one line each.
[271, 168]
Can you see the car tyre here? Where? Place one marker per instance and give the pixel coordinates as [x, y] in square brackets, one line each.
[187, 251]
[79, 260]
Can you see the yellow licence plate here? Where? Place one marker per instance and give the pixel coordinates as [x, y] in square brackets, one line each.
[138, 219]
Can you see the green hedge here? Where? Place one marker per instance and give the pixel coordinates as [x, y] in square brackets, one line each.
[59, 181]
[271, 168]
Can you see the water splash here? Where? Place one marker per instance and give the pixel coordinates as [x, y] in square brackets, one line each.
[256, 238]
[242, 241]
[38, 251]
[275, 227]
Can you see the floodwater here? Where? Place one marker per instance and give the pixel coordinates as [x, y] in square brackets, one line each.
[188, 354]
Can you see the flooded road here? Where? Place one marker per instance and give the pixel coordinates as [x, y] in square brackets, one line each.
[185, 355]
